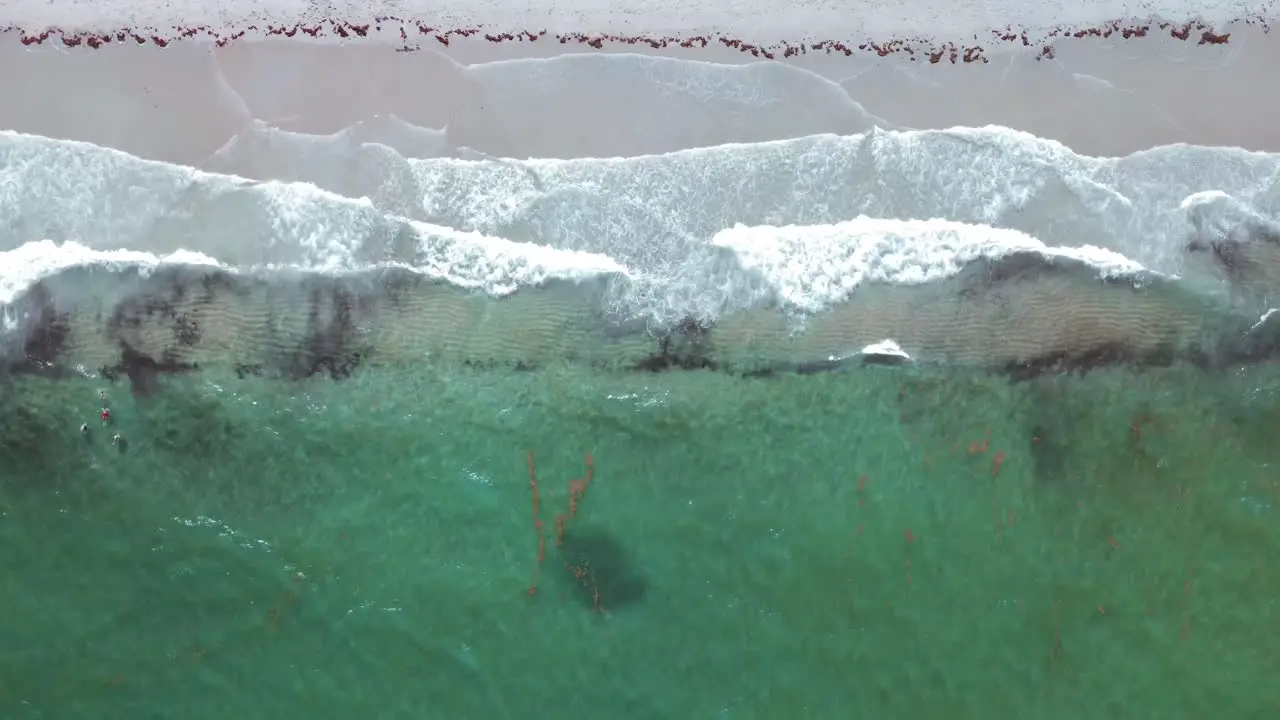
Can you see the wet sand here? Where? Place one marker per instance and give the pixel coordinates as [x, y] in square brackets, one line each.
[1099, 96]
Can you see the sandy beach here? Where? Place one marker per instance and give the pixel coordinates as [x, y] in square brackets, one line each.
[1099, 96]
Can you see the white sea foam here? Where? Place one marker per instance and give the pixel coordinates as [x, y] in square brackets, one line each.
[498, 266]
[811, 268]
[67, 204]
[689, 233]
[883, 349]
[659, 204]
[128, 210]
[463, 259]
[31, 262]
[1262, 320]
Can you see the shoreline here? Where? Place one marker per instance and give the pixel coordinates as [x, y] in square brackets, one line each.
[1106, 93]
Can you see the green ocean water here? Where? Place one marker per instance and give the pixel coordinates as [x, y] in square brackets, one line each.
[886, 543]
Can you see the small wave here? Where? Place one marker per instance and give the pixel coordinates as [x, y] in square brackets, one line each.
[33, 262]
[810, 268]
[461, 259]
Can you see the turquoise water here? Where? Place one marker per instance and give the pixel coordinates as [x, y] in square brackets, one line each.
[885, 543]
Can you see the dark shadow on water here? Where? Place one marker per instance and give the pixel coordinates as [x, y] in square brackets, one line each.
[602, 572]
